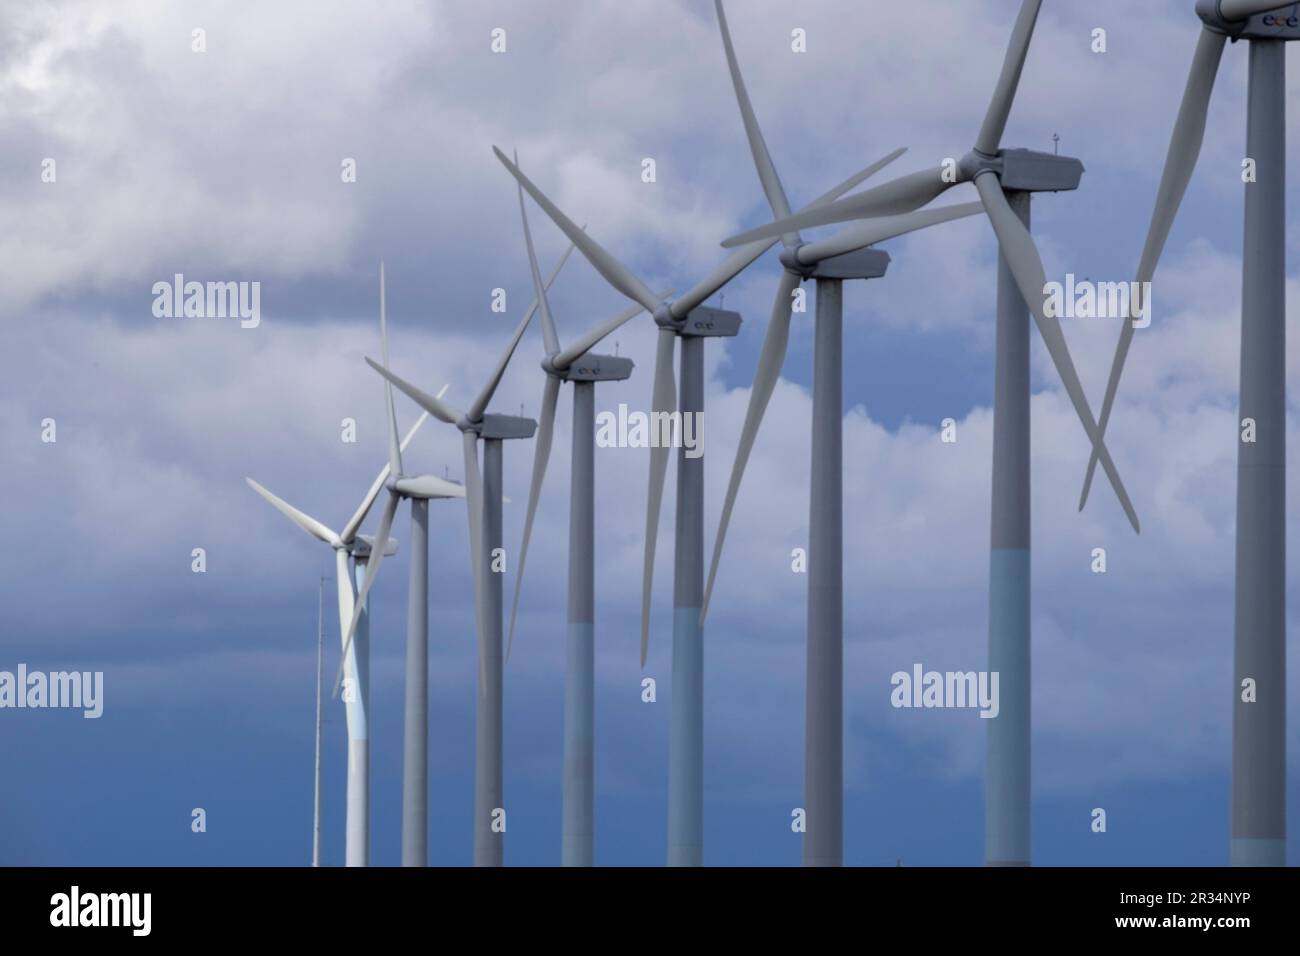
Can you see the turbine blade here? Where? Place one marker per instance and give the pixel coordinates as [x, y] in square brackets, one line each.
[767, 175]
[394, 451]
[664, 400]
[615, 273]
[549, 335]
[303, 520]
[871, 231]
[541, 455]
[372, 571]
[354, 523]
[854, 181]
[586, 343]
[1027, 266]
[888, 199]
[770, 362]
[434, 406]
[1004, 94]
[480, 404]
[734, 264]
[1180, 163]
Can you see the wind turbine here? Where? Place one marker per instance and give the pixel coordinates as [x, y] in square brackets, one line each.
[1259, 627]
[830, 262]
[582, 367]
[689, 320]
[483, 499]
[1005, 180]
[419, 490]
[356, 658]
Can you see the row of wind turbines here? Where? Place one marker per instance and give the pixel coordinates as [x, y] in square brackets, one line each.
[1004, 180]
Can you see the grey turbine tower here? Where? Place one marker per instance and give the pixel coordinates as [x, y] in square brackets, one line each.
[688, 319]
[583, 368]
[483, 499]
[348, 546]
[1005, 180]
[830, 263]
[419, 490]
[1259, 627]
[320, 680]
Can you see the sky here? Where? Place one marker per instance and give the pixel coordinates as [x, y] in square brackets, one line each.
[226, 165]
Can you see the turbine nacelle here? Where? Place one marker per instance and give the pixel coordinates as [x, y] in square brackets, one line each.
[1024, 170]
[1237, 19]
[499, 427]
[592, 367]
[704, 321]
[426, 487]
[363, 544]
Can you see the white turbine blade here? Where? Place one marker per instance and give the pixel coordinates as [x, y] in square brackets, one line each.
[770, 362]
[549, 336]
[354, 523]
[735, 263]
[615, 273]
[888, 199]
[474, 507]
[1180, 163]
[664, 400]
[394, 452]
[303, 520]
[541, 455]
[347, 600]
[1237, 10]
[480, 404]
[434, 406]
[871, 231]
[1027, 266]
[767, 175]
[377, 551]
[1004, 94]
[590, 340]
[723, 273]
[853, 181]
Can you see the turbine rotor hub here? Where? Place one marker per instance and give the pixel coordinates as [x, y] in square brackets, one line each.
[975, 162]
[790, 260]
[1211, 14]
[664, 318]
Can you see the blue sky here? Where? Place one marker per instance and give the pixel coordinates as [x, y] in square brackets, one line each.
[225, 166]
